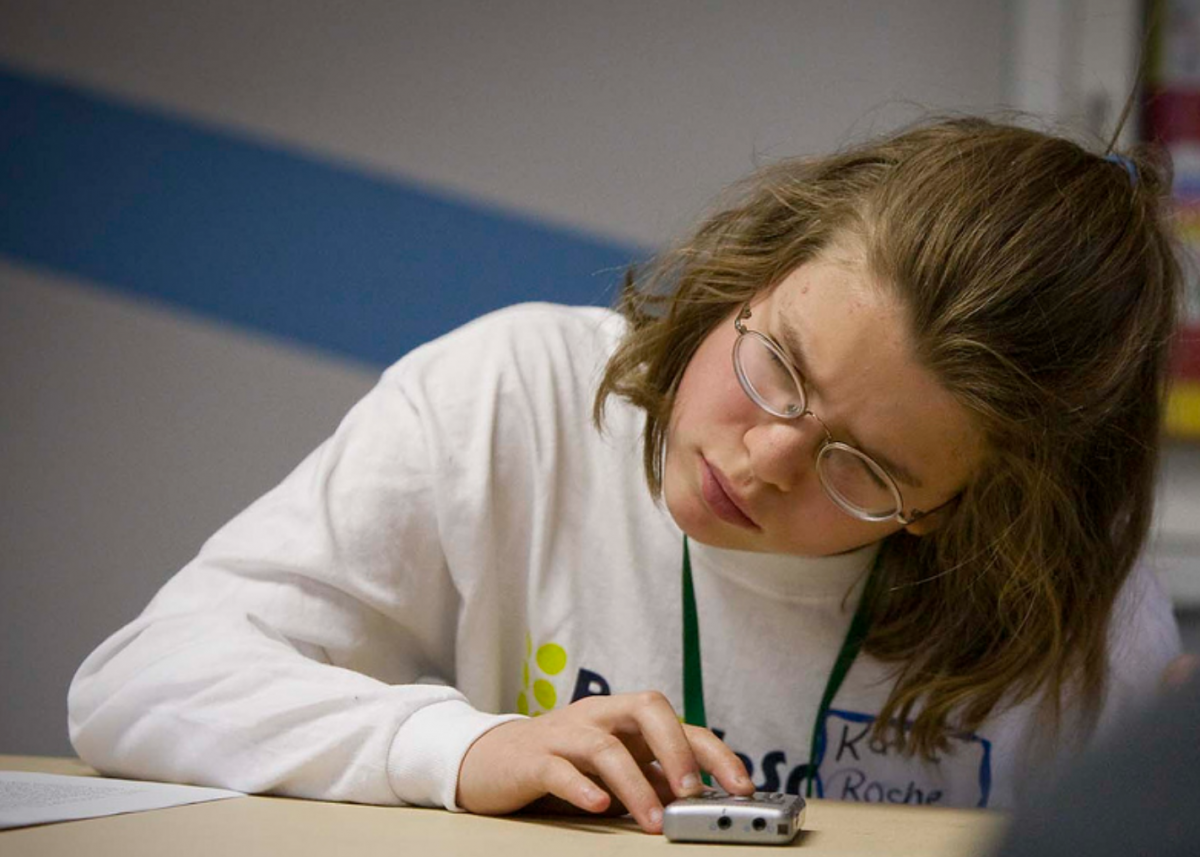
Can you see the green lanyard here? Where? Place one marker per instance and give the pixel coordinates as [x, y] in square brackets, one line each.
[693, 677]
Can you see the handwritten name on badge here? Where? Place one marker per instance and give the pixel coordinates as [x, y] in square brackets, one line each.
[856, 766]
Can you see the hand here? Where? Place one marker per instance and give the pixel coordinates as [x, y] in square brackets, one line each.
[630, 747]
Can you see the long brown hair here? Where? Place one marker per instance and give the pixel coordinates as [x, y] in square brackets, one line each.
[1042, 290]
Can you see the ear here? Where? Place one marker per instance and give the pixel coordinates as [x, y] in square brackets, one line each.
[930, 521]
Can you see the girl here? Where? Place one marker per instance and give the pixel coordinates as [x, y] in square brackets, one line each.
[855, 481]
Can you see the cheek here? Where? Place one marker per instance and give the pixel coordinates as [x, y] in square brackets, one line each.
[819, 529]
[709, 395]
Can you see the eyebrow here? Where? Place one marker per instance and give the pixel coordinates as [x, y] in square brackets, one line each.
[791, 341]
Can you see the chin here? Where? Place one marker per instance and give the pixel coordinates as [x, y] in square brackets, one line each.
[715, 538]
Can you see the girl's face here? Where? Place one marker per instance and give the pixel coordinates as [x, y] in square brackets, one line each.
[738, 477]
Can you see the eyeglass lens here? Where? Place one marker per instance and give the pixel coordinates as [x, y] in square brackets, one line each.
[764, 374]
[856, 483]
[851, 479]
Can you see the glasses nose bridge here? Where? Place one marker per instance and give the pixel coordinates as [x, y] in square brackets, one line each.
[794, 433]
[798, 419]
[828, 435]
[823, 439]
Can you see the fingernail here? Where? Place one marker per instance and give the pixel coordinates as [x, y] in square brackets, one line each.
[689, 783]
[656, 817]
[592, 795]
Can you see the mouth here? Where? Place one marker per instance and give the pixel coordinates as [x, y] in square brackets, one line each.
[721, 499]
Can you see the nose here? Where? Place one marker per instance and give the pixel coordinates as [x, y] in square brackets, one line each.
[783, 453]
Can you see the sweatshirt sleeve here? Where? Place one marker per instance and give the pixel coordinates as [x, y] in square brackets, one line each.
[308, 649]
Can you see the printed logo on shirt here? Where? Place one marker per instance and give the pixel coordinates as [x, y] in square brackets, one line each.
[538, 693]
[852, 765]
[776, 775]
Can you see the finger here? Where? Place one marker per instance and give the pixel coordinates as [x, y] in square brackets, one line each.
[551, 805]
[715, 757]
[610, 759]
[659, 726]
[558, 777]
[659, 782]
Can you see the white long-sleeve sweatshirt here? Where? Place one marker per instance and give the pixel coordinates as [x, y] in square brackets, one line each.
[468, 548]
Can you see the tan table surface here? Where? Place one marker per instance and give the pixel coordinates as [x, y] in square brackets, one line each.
[267, 825]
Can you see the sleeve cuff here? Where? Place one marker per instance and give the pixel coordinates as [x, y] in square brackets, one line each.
[428, 750]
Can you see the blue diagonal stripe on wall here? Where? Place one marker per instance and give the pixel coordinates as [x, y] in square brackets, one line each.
[258, 236]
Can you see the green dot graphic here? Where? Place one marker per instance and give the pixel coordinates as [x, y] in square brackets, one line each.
[522, 704]
[543, 691]
[551, 658]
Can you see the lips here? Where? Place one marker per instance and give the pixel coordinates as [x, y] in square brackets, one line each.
[721, 500]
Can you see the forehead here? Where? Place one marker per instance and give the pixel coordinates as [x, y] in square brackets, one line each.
[850, 336]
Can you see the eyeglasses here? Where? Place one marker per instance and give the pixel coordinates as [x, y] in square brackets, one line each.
[853, 480]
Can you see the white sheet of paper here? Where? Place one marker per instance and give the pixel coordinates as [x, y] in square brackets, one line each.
[31, 798]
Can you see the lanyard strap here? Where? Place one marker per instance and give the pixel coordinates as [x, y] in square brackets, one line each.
[693, 675]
